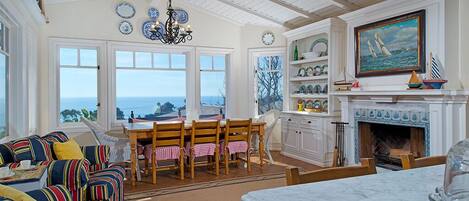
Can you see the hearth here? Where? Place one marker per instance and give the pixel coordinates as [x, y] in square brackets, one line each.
[386, 143]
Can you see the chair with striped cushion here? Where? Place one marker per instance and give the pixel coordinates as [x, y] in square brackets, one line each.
[237, 140]
[51, 193]
[167, 144]
[205, 139]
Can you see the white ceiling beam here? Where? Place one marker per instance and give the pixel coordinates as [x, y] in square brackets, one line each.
[229, 3]
[297, 10]
[345, 4]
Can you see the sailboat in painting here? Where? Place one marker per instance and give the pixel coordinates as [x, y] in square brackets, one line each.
[371, 49]
[380, 44]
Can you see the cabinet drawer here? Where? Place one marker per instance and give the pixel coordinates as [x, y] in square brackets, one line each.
[310, 123]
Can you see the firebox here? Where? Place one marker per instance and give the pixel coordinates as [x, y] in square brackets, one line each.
[386, 143]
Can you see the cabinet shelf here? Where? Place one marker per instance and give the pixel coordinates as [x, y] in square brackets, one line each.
[304, 61]
[322, 96]
[300, 79]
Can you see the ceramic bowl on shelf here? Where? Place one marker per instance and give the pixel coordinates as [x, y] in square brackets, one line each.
[310, 55]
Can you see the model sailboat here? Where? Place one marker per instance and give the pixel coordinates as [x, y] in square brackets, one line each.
[435, 74]
[380, 44]
[344, 81]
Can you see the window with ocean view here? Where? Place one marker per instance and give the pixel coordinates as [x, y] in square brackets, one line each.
[4, 65]
[212, 86]
[78, 84]
[150, 86]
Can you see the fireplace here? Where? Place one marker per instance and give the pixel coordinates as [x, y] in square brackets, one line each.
[386, 142]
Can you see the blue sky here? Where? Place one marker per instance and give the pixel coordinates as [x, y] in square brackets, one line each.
[138, 83]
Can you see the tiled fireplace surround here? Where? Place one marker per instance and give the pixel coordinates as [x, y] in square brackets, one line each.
[443, 114]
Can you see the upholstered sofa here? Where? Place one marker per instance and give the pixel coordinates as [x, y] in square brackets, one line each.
[88, 179]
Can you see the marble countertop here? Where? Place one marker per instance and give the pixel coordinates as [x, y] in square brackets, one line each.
[406, 185]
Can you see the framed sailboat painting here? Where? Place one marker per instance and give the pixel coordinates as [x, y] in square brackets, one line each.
[391, 46]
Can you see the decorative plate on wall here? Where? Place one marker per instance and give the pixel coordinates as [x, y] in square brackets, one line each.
[153, 13]
[181, 16]
[146, 27]
[125, 10]
[268, 38]
[125, 27]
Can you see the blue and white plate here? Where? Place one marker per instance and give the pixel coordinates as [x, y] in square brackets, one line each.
[125, 10]
[146, 30]
[125, 27]
[181, 16]
[153, 13]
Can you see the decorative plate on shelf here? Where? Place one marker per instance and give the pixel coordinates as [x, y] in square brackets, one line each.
[153, 13]
[319, 46]
[324, 69]
[302, 73]
[325, 89]
[324, 105]
[309, 104]
[125, 10]
[310, 71]
[268, 38]
[317, 89]
[317, 71]
[317, 104]
[181, 16]
[302, 89]
[125, 27]
[146, 27]
[310, 89]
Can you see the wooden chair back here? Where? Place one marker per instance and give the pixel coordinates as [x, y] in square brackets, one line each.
[168, 134]
[238, 130]
[205, 132]
[294, 177]
[409, 161]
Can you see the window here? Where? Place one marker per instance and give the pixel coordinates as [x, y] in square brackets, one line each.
[150, 85]
[4, 68]
[212, 86]
[78, 84]
[269, 78]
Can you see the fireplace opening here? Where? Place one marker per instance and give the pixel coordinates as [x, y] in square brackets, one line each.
[386, 143]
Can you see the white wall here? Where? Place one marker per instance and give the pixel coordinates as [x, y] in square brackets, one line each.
[91, 19]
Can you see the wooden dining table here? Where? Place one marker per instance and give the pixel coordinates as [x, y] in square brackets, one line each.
[143, 131]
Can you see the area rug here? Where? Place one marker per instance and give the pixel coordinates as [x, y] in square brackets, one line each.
[202, 185]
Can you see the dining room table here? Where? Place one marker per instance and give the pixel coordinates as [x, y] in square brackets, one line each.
[406, 185]
[141, 131]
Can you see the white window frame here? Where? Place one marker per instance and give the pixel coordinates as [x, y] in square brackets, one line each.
[205, 51]
[153, 48]
[54, 82]
[7, 77]
[253, 54]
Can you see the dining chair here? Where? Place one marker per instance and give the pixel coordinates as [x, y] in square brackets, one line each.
[205, 141]
[167, 144]
[409, 161]
[294, 176]
[270, 118]
[237, 140]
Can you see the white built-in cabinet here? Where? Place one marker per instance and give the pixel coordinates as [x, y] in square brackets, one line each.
[310, 136]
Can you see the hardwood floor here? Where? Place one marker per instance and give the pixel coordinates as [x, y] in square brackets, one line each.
[169, 179]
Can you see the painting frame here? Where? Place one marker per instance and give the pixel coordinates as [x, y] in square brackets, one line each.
[421, 49]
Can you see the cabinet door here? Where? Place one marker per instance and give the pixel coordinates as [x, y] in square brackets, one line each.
[290, 134]
[311, 142]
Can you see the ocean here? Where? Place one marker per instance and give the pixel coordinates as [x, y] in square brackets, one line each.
[140, 105]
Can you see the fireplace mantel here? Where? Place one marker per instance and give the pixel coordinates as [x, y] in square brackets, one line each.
[447, 110]
[431, 95]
